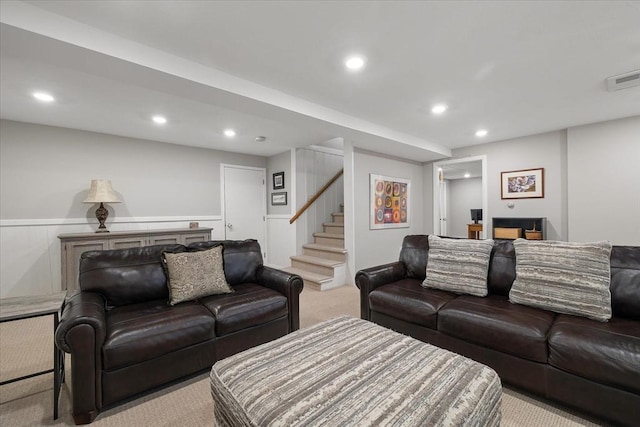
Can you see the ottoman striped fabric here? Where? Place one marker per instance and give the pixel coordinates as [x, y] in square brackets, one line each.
[350, 372]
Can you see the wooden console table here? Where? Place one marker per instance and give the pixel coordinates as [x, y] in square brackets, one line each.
[473, 231]
[73, 245]
[35, 306]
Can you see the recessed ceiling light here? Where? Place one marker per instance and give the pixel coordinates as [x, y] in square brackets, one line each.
[354, 63]
[261, 138]
[159, 120]
[44, 97]
[482, 132]
[467, 175]
[230, 132]
[439, 108]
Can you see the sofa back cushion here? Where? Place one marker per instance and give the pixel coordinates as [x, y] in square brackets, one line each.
[195, 274]
[414, 255]
[241, 258]
[625, 271]
[458, 265]
[502, 267]
[565, 277]
[126, 276]
[625, 281]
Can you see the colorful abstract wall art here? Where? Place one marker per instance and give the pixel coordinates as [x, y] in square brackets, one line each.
[389, 202]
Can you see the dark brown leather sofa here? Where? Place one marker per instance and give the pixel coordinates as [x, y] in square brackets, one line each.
[586, 364]
[125, 338]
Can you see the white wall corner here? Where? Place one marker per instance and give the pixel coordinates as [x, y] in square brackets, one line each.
[349, 212]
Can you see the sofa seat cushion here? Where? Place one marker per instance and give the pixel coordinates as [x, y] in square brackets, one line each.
[249, 305]
[408, 300]
[143, 331]
[607, 353]
[495, 323]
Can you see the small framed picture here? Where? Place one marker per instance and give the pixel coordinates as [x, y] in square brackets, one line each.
[279, 198]
[522, 184]
[278, 181]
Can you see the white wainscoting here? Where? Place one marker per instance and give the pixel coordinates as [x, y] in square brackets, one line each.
[281, 241]
[30, 262]
[313, 170]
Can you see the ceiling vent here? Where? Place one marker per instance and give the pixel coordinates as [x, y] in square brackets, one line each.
[623, 81]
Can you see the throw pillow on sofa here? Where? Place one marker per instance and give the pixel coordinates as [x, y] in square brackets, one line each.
[458, 265]
[192, 275]
[564, 277]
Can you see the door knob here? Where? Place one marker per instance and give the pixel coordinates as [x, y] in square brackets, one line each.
[229, 225]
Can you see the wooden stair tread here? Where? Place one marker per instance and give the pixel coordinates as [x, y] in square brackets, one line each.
[328, 235]
[307, 275]
[316, 260]
[324, 248]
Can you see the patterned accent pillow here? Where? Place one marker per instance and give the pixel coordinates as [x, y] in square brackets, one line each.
[193, 275]
[564, 277]
[458, 265]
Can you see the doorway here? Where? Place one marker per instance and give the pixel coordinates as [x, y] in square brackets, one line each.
[244, 207]
[445, 172]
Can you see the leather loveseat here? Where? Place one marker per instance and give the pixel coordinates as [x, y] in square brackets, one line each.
[125, 338]
[586, 364]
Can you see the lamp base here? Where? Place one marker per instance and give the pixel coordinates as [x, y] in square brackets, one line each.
[101, 214]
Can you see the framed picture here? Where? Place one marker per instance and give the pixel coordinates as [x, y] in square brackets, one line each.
[278, 181]
[279, 198]
[389, 202]
[522, 184]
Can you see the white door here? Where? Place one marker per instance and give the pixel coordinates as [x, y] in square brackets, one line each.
[244, 203]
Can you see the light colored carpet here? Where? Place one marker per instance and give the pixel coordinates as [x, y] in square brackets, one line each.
[26, 347]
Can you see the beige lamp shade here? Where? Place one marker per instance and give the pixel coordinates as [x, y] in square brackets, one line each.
[101, 191]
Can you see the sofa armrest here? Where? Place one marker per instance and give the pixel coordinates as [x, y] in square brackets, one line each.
[290, 285]
[81, 332]
[370, 278]
[79, 309]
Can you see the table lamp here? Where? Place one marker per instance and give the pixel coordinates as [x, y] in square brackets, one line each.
[101, 192]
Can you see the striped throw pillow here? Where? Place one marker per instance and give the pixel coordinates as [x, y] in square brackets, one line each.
[564, 277]
[458, 265]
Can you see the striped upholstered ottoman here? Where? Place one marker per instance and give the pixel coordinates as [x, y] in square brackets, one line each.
[350, 372]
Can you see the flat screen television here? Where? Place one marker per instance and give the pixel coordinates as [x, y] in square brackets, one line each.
[476, 215]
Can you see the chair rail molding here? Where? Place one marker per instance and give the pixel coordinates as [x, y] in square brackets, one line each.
[30, 248]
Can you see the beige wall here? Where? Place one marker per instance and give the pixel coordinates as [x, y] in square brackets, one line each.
[604, 182]
[280, 163]
[45, 172]
[592, 180]
[546, 151]
[374, 247]
[464, 195]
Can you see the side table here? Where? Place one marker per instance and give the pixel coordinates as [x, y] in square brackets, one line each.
[473, 231]
[35, 306]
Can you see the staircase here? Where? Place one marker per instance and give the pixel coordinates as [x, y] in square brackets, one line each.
[322, 263]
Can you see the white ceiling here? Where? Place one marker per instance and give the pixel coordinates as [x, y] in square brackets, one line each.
[459, 170]
[274, 68]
